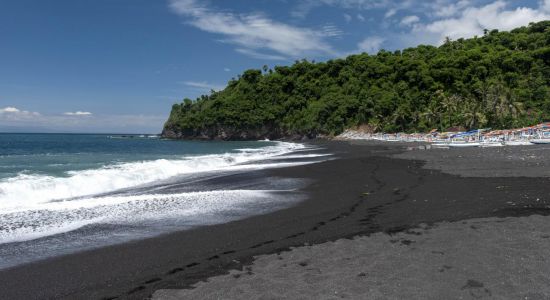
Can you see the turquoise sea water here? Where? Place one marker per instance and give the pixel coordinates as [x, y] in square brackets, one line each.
[56, 154]
[61, 193]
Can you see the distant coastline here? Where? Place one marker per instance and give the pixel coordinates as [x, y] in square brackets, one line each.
[78, 133]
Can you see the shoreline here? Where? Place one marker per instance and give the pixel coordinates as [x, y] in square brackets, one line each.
[70, 202]
[361, 192]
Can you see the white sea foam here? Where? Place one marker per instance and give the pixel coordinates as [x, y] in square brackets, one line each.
[293, 156]
[34, 206]
[192, 208]
[27, 192]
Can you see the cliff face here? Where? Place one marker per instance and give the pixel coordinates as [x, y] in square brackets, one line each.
[229, 134]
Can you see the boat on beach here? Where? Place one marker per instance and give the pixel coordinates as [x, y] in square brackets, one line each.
[517, 143]
[543, 137]
[440, 145]
[491, 144]
[484, 138]
[463, 145]
[465, 139]
[541, 141]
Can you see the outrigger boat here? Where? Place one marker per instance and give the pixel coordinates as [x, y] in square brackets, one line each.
[544, 139]
[517, 143]
[491, 144]
[544, 136]
[537, 134]
[466, 139]
[463, 144]
[541, 141]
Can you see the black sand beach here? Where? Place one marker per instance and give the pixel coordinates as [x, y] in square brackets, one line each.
[365, 191]
[486, 258]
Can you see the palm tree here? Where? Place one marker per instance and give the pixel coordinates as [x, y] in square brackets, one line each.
[400, 116]
[449, 105]
[473, 114]
[375, 124]
[365, 110]
[432, 116]
[503, 103]
[509, 106]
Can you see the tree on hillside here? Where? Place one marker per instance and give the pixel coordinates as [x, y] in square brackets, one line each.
[499, 80]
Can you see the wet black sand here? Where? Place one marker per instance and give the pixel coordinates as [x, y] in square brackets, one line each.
[363, 192]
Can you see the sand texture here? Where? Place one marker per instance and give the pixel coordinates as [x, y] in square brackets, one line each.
[488, 258]
[510, 161]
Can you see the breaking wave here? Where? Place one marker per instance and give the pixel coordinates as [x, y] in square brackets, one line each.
[26, 192]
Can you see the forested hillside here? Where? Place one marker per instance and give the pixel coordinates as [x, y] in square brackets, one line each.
[499, 80]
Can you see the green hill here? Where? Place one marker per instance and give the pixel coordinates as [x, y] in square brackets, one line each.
[499, 80]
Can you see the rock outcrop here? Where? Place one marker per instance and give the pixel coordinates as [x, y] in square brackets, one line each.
[230, 134]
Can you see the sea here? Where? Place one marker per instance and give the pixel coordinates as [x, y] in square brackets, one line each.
[63, 193]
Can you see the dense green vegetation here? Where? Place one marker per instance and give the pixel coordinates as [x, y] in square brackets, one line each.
[500, 80]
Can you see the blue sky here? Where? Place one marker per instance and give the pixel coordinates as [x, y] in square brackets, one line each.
[119, 65]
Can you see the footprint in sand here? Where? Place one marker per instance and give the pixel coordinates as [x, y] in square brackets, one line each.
[477, 289]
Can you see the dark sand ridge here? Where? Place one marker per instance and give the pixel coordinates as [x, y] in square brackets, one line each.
[363, 192]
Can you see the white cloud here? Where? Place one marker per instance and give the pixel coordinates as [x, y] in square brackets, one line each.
[304, 7]
[227, 69]
[9, 109]
[16, 119]
[203, 85]
[258, 36]
[444, 9]
[409, 20]
[14, 114]
[78, 113]
[473, 20]
[358, 4]
[390, 13]
[254, 32]
[19, 120]
[347, 17]
[258, 55]
[396, 6]
[371, 44]
[331, 31]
